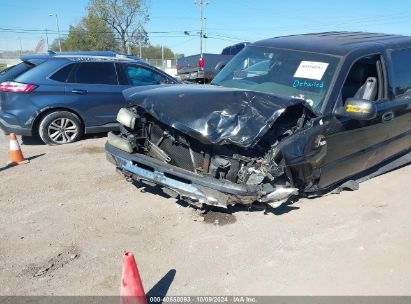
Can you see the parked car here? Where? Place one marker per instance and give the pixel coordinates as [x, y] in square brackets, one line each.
[61, 96]
[318, 110]
[194, 69]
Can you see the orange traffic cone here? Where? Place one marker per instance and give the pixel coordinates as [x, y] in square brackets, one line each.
[132, 290]
[16, 156]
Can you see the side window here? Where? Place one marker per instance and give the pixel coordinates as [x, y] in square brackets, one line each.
[364, 80]
[95, 73]
[140, 76]
[401, 61]
[62, 74]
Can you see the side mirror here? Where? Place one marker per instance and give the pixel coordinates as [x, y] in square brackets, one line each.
[360, 109]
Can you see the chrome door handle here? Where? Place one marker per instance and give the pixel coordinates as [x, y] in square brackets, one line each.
[78, 91]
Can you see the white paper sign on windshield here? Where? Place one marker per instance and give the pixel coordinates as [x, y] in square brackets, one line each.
[311, 70]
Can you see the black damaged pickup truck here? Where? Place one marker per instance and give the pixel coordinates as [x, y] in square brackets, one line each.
[295, 115]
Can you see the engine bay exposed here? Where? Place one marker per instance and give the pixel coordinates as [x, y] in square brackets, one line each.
[261, 165]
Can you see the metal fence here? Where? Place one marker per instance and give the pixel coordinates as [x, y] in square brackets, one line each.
[13, 54]
[163, 64]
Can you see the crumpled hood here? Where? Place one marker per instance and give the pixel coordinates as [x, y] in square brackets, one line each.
[212, 115]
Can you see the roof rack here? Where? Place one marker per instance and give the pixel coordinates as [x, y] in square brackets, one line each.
[85, 57]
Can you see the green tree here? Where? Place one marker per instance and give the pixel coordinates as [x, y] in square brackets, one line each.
[153, 52]
[89, 35]
[125, 17]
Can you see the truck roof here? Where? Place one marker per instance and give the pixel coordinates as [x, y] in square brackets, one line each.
[336, 43]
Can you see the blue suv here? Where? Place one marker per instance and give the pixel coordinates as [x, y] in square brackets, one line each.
[61, 96]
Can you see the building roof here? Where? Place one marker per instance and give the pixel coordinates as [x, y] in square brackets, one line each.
[336, 43]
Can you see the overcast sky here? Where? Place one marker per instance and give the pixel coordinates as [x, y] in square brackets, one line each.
[227, 21]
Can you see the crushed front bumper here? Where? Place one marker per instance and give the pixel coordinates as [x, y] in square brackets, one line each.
[196, 189]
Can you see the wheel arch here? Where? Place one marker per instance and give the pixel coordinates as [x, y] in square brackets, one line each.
[45, 112]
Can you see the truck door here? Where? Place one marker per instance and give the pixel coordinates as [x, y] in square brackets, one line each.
[400, 82]
[352, 145]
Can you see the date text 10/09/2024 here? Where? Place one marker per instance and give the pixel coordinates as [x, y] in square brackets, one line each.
[203, 299]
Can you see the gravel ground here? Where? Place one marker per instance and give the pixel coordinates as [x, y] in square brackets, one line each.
[67, 217]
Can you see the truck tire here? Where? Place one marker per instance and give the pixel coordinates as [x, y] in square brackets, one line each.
[60, 127]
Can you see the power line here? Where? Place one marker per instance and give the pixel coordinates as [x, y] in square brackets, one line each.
[358, 23]
[151, 34]
[23, 30]
[361, 21]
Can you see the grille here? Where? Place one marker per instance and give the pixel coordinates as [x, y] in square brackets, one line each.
[179, 153]
[198, 157]
[155, 133]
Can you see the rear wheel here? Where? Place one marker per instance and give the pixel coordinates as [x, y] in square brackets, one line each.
[60, 127]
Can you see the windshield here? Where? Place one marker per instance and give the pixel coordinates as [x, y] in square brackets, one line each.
[286, 73]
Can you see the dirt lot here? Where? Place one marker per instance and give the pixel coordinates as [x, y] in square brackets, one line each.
[67, 217]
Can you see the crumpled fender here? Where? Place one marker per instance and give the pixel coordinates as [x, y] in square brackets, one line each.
[303, 153]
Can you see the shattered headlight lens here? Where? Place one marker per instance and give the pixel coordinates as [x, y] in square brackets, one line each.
[119, 142]
[126, 118]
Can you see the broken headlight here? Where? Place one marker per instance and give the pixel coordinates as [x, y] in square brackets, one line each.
[126, 118]
[119, 142]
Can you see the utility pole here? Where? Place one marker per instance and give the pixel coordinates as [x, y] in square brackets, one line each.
[47, 39]
[201, 28]
[58, 27]
[201, 4]
[205, 35]
[162, 58]
[201, 63]
[21, 48]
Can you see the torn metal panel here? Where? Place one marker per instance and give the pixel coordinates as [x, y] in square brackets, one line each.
[230, 138]
[210, 114]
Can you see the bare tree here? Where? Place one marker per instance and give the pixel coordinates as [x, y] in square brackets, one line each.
[126, 17]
